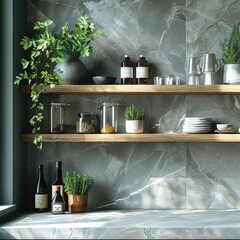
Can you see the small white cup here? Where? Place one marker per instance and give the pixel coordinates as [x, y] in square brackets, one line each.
[224, 126]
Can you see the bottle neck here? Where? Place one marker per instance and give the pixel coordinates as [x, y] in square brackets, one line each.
[58, 172]
[40, 172]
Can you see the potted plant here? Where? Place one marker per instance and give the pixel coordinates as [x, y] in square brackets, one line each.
[77, 187]
[45, 50]
[231, 56]
[134, 119]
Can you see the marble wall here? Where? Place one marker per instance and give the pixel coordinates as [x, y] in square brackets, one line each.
[148, 175]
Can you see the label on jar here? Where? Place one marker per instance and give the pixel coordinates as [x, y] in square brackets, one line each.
[41, 201]
[126, 72]
[142, 72]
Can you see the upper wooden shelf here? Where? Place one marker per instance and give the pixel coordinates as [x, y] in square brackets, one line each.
[144, 137]
[141, 89]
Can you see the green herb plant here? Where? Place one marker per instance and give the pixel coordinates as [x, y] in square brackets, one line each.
[76, 184]
[231, 47]
[134, 113]
[46, 49]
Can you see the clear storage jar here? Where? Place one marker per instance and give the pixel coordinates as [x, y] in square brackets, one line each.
[109, 117]
[56, 117]
[87, 123]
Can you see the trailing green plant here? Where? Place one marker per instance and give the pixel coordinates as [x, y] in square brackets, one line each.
[231, 47]
[76, 184]
[134, 113]
[44, 50]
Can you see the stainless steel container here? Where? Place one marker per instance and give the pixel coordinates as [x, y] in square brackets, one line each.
[231, 74]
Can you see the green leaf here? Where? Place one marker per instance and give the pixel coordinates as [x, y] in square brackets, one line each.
[25, 63]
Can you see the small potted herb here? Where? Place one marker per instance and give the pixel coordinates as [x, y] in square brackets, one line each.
[134, 119]
[77, 187]
[231, 56]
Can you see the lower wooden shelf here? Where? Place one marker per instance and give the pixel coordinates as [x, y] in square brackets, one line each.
[145, 137]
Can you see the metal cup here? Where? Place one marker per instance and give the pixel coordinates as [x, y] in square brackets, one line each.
[193, 80]
[193, 66]
[209, 63]
[159, 80]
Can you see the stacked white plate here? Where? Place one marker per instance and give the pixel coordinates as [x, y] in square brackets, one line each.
[197, 125]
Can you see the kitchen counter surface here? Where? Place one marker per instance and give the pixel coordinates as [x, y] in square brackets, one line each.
[127, 224]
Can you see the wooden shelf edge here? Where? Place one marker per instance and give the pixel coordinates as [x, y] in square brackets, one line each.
[145, 137]
[140, 89]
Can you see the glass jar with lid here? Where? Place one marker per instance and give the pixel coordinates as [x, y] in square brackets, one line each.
[56, 117]
[109, 117]
[87, 123]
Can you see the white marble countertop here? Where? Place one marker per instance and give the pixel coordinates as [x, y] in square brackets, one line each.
[124, 224]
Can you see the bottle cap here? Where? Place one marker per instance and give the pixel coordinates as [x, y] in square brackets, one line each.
[141, 56]
[126, 56]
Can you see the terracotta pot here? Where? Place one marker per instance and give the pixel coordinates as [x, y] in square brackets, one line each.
[77, 203]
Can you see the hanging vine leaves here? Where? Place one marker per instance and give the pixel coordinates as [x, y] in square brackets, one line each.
[45, 49]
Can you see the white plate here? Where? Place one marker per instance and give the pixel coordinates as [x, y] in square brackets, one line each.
[196, 125]
[207, 128]
[197, 119]
[197, 131]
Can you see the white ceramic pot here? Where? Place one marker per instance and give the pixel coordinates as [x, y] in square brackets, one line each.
[231, 74]
[134, 126]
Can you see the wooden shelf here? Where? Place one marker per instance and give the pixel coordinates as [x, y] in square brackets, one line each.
[145, 137]
[141, 89]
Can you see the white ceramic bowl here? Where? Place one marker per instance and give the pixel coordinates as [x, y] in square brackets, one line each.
[224, 126]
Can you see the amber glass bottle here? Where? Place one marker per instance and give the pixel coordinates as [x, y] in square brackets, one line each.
[142, 70]
[126, 71]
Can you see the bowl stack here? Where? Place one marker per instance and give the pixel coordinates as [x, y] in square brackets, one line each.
[197, 125]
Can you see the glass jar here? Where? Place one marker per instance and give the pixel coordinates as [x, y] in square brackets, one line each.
[56, 117]
[87, 123]
[109, 117]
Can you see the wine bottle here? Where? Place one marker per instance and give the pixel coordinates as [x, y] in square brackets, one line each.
[41, 193]
[57, 205]
[58, 181]
[126, 71]
[142, 70]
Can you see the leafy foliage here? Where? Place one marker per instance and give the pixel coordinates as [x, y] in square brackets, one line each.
[44, 50]
[75, 184]
[231, 47]
[133, 113]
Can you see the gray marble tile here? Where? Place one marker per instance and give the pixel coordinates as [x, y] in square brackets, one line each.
[212, 176]
[152, 175]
